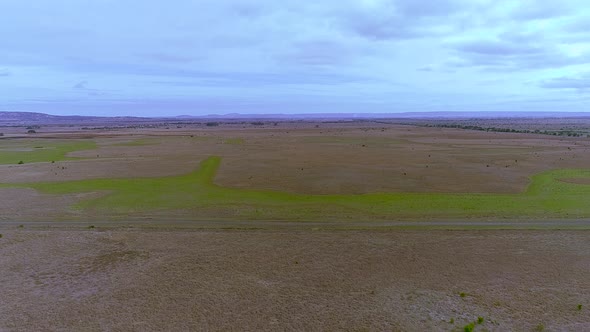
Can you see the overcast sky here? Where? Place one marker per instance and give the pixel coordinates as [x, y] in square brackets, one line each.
[153, 57]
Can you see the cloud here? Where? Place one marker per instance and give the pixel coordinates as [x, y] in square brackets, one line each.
[401, 19]
[578, 83]
[496, 48]
[505, 55]
[80, 85]
[318, 53]
[426, 68]
[541, 10]
[169, 58]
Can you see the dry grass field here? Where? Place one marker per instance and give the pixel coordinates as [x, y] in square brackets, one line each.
[190, 227]
[112, 279]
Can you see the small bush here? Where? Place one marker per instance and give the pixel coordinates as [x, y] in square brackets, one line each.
[469, 327]
[212, 124]
[31, 131]
[1, 236]
[91, 227]
[462, 294]
[480, 320]
[579, 307]
[540, 328]
[21, 162]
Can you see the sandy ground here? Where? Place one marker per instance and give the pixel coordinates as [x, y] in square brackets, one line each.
[146, 280]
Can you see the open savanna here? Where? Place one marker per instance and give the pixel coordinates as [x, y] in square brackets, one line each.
[294, 171]
[190, 228]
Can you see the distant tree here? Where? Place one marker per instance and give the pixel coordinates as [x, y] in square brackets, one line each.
[31, 131]
[212, 124]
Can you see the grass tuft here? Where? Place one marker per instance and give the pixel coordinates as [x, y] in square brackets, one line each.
[469, 327]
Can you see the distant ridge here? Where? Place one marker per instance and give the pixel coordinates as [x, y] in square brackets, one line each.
[402, 115]
[16, 118]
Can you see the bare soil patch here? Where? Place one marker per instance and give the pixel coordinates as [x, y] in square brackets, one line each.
[577, 181]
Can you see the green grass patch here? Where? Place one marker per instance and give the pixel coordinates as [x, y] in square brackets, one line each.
[234, 141]
[546, 197]
[34, 151]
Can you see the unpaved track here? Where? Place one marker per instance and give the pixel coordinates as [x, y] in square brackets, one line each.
[146, 279]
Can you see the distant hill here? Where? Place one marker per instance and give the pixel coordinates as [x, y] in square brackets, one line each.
[404, 115]
[21, 118]
[24, 118]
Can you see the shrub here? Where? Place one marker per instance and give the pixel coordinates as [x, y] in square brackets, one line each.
[21, 162]
[212, 124]
[469, 327]
[31, 131]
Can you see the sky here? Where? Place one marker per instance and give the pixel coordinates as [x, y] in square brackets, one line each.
[196, 57]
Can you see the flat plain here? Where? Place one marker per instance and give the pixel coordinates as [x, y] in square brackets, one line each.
[293, 225]
[293, 171]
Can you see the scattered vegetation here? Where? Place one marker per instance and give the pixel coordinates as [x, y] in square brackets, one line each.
[579, 307]
[212, 124]
[471, 326]
[508, 130]
[236, 141]
[540, 327]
